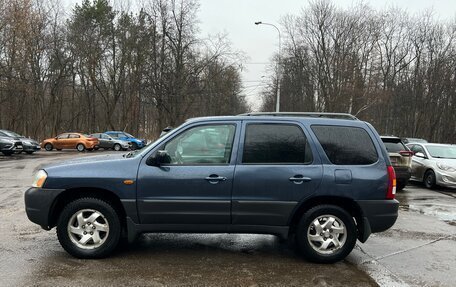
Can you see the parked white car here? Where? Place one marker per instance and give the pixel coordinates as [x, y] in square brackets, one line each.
[434, 164]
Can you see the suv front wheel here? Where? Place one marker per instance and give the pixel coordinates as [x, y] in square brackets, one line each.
[89, 228]
[326, 234]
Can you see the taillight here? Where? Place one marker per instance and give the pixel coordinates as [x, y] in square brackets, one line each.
[406, 153]
[390, 194]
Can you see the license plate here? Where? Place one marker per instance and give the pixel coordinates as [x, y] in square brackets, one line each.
[19, 147]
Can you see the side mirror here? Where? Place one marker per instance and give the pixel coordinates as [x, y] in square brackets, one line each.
[420, 154]
[159, 158]
[56, 138]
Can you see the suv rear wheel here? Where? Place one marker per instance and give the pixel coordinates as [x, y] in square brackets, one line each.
[326, 234]
[89, 228]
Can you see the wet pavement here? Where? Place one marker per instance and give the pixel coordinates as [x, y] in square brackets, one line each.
[418, 251]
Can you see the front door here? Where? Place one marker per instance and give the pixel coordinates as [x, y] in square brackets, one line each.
[276, 169]
[418, 163]
[195, 187]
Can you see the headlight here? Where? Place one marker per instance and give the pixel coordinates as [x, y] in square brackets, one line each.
[445, 167]
[40, 178]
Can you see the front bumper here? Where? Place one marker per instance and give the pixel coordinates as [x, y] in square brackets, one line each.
[377, 216]
[31, 147]
[15, 147]
[445, 179]
[39, 203]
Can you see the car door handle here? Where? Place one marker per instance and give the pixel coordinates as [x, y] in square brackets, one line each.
[299, 179]
[214, 179]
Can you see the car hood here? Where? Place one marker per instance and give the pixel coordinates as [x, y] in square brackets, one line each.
[87, 160]
[446, 161]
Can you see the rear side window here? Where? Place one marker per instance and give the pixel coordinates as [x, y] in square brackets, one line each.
[275, 144]
[346, 145]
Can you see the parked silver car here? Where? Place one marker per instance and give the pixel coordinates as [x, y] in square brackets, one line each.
[434, 164]
[108, 142]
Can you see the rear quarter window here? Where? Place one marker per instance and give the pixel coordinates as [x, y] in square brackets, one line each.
[346, 145]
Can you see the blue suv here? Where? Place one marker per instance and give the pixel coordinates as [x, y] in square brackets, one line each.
[324, 179]
[134, 142]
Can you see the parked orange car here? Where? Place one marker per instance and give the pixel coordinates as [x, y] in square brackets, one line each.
[81, 142]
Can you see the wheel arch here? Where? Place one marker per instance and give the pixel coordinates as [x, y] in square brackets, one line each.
[426, 171]
[345, 203]
[72, 194]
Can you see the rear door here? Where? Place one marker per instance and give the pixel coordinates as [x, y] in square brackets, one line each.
[73, 140]
[276, 168]
[103, 141]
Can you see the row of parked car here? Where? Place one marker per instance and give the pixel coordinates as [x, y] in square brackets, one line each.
[11, 142]
[414, 159]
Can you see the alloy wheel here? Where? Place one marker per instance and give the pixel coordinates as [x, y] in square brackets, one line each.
[88, 229]
[327, 234]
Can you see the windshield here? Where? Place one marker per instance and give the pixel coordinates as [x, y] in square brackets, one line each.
[128, 135]
[11, 134]
[442, 151]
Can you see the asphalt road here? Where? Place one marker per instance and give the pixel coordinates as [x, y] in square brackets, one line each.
[419, 250]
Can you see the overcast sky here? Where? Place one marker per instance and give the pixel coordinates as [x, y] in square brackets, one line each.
[236, 18]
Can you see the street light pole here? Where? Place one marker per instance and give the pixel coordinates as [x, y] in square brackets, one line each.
[278, 65]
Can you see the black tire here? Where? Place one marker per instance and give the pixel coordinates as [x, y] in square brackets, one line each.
[29, 152]
[306, 228]
[117, 147]
[96, 148]
[8, 153]
[134, 146]
[429, 179]
[80, 147]
[48, 147]
[401, 185]
[108, 215]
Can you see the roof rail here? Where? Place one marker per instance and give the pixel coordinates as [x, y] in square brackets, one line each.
[304, 114]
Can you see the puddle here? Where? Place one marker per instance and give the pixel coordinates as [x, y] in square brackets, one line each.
[446, 213]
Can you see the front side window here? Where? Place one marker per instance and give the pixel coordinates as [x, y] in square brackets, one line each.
[275, 144]
[346, 145]
[62, 136]
[209, 144]
[418, 148]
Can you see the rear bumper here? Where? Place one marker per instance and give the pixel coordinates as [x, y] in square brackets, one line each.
[91, 144]
[38, 204]
[377, 216]
[402, 173]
